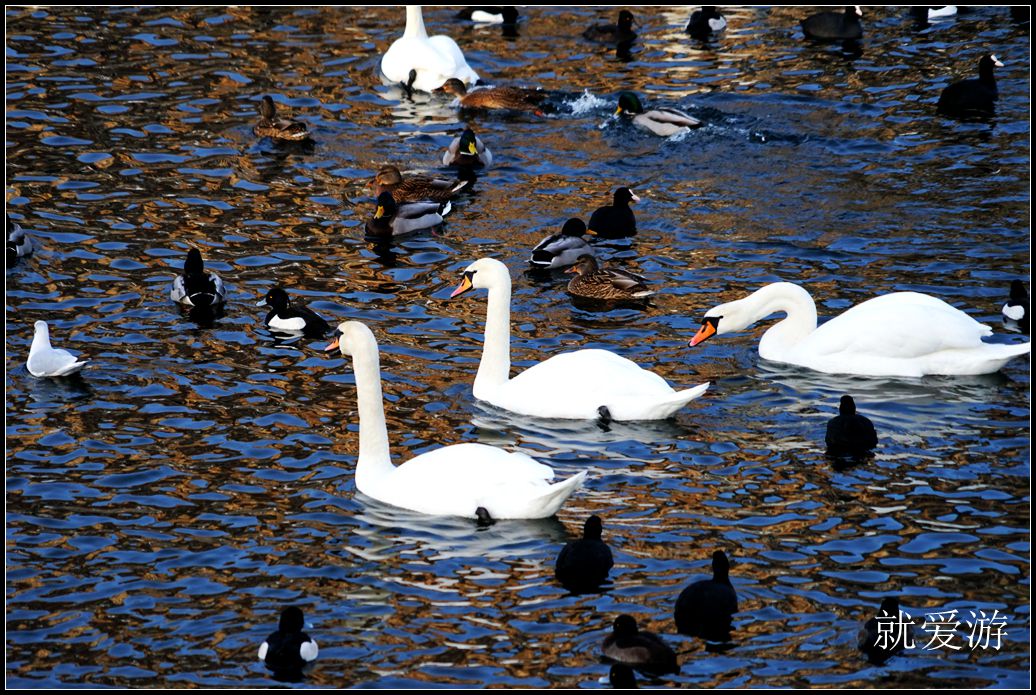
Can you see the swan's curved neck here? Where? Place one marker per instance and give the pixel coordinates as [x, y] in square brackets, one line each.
[374, 461]
[495, 368]
[790, 299]
[414, 23]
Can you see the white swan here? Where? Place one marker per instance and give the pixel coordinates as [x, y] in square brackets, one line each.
[580, 385]
[45, 360]
[453, 480]
[898, 334]
[436, 58]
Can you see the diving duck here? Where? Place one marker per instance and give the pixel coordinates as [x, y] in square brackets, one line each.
[706, 22]
[515, 98]
[288, 648]
[664, 122]
[849, 433]
[18, 242]
[583, 565]
[467, 152]
[45, 360]
[415, 189]
[284, 316]
[880, 645]
[269, 126]
[976, 94]
[615, 221]
[392, 220]
[639, 649]
[561, 249]
[490, 15]
[432, 59]
[620, 32]
[705, 608]
[196, 288]
[834, 26]
[594, 282]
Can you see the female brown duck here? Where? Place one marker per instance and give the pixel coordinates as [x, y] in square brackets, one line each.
[516, 98]
[277, 128]
[414, 189]
[593, 282]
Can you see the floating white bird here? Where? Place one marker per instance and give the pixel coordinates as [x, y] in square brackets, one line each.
[45, 360]
[580, 385]
[899, 334]
[468, 480]
[434, 58]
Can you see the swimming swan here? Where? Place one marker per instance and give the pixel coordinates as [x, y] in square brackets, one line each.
[580, 385]
[898, 334]
[456, 480]
[436, 58]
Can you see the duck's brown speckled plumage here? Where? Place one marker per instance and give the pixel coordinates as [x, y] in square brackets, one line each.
[516, 98]
[594, 282]
[414, 189]
[277, 128]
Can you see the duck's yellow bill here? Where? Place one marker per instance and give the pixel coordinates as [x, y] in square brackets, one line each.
[472, 149]
[379, 212]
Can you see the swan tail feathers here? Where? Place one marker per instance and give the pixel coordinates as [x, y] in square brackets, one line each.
[557, 493]
[682, 398]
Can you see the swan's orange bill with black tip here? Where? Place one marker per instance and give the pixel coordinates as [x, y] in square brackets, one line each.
[707, 330]
[333, 345]
[464, 286]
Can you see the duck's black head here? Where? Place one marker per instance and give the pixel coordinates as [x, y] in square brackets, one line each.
[276, 299]
[592, 528]
[576, 227]
[386, 206]
[291, 620]
[986, 65]
[847, 406]
[720, 565]
[510, 14]
[629, 103]
[625, 20]
[890, 605]
[1018, 293]
[468, 143]
[624, 196]
[194, 265]
[625, 626]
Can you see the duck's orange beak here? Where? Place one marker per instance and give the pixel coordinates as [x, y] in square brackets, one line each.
[707, 330]
[464, 286]
[379, 212]
[618, 111]
[334, 344]
[571, 268]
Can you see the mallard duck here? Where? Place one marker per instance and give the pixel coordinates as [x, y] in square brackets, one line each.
[583, 565]
[284, 316]
[899, 334]
[19, 243]
[834, 26]
[45, 360]
[705, 22]
[639, 649]
[196, 288]
[434, 59]
[391, 220]
[615, 221]
[467, 152]
[620, 32]
[289, 649]
[1016, 310]
[269, 126]
[664, 122]
[467, 480]
[561, 249]
[587, 384]
[705, 608]
[849, 433]
[416, 189]
[594, 282]
[515, 98]
[977, 94]
[880, 645]
[490, 15]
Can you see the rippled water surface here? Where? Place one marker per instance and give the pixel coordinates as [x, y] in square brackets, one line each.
[162, 509]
